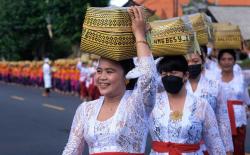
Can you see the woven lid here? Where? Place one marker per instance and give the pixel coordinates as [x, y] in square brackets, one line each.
[227, 36]
[107, 32]
[172, 37]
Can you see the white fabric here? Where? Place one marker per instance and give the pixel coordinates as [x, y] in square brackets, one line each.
[198, 122]
[211, 91]
[127, 129]
[47, 75]
[237, 89]
[214, 70]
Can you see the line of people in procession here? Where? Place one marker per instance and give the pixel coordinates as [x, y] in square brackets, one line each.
[187, 107]
[188, 104]
[64, 76]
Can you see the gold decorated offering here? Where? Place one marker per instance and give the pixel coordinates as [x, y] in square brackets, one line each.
[202, 25]
[226, 36]
[171, 37]
[107, 32]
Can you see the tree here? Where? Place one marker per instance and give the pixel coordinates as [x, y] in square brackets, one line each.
[23, 27]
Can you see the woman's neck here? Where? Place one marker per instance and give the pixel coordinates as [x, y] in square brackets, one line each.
[227, 75]
[182, 93]
[113, 99]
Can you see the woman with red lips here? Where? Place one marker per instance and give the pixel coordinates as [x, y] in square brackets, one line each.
[116, 123]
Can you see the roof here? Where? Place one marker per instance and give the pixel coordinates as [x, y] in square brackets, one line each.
[234, 15]
[230, 2]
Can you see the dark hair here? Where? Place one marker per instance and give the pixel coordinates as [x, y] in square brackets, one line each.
[203, 54]
[229, 51]
[128, 65]
[171, 63]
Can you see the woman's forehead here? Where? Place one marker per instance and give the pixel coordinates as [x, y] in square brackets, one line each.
[193, 56]
[107, 63]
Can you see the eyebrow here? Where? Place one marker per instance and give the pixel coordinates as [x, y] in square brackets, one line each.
[112, 69]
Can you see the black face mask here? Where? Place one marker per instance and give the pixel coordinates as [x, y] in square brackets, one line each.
[194, 71]
[172, 84]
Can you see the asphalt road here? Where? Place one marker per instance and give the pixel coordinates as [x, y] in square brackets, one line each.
[34, 125]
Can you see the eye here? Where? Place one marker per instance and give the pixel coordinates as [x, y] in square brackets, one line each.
[110, 71]
[98, 71]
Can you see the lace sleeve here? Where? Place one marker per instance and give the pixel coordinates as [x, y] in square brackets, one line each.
[211, 134]
[146, 84]
[223, 121]
[75, 143]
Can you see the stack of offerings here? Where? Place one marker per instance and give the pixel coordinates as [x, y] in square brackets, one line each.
[173, 36]
[107, 32]
[202, 25]
[227, 36]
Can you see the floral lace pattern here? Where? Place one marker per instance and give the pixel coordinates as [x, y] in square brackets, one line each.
[126, 130]
[211, 91]
[198, 122]
[236, 89]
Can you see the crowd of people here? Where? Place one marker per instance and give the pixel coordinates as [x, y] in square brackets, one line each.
[188, 104]
[66, 76]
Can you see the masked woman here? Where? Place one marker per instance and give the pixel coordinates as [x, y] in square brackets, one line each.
[237, 98]
[211, 91]
[117, 122]
[179, 120]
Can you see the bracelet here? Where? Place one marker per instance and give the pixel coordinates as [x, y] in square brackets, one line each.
[141, 41]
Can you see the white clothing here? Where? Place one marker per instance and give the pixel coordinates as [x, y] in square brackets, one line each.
[211, 91]
[237, 89]
[127, 129]
[47, 75]
[198, 122]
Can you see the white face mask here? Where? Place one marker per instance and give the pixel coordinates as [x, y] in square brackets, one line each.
[209, 50]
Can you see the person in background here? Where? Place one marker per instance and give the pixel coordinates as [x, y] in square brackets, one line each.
[235, 86]
[46, 77]
[212, 92]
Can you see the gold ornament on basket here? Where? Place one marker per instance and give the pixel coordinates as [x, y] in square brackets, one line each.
[176, 115]
[173, 37]
[202, 25]
[107, 32]
[226, 36]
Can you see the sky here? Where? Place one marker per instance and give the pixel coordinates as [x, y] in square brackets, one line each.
[118, 2]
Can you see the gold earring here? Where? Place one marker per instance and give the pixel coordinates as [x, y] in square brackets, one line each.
[126, 82]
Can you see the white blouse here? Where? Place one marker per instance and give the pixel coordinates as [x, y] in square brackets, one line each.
[211, 91]
[237, 89]
[127, 129]
[198, 122]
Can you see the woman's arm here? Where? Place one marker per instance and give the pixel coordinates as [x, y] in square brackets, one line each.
[75, 143]
[211, 134]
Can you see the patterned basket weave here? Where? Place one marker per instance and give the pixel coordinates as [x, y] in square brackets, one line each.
[202, 25]
[107, 32]
[226, 36]
[172, 37]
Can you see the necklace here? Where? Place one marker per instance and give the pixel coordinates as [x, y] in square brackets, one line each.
[175, 115]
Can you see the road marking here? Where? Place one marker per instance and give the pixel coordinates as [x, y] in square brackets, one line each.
[17, 98]
[53, 107]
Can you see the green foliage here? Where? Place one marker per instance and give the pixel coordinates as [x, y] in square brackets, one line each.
[23, 27]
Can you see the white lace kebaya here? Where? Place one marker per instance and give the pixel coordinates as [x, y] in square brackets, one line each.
[237, 89]
[211, 91]
[126, 131]
[197, 122]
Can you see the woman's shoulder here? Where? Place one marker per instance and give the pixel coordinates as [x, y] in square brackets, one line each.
[89, 104]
